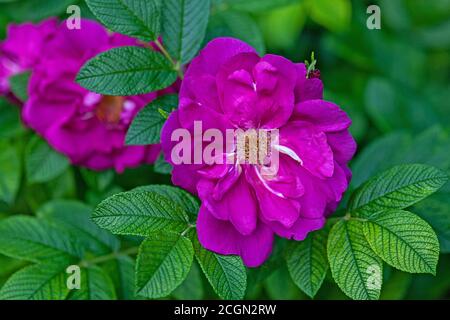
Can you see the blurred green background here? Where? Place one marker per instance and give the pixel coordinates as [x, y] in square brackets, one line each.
[393, 82]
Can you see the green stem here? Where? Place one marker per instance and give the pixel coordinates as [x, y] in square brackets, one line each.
[176, 65]
[190, 226]
[349, 217]
[111, 256]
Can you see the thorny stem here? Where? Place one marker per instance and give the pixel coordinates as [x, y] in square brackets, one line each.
[97, 260]
[176, 65]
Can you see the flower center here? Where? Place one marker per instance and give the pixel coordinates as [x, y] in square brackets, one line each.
[253, 146]
[111, 110]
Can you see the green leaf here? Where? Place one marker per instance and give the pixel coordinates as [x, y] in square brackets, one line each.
[19, 85]
[226, 274]
[279, 286]
[9, 120]
[95, 285]
[75, 218]
[192, 287]
[135, 18]
[179, 196]
[396, 285]
[96, 180]
[276, 260]
[355, 267]
[307, 262]
[30, 239]
[42, 162]
[121, 272]
[378, 156]
[397, 188]
[10, 169]
[161, 166]
[385, 112]
[256, 5]
[163, 263]
[127, 71]
[404, 241]
[334, 15]
[435, 210]
[146, 126]
[37, 282]
[139, 213]
[397, 148]
[237, 25]
[35, 10]
[183, 27]
[282, 27]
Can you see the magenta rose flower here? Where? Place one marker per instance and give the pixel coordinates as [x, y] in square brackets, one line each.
[88, 128]
[228, 86]
[22, 49]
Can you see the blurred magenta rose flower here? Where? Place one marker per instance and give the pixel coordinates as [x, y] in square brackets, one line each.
[229, 86]
[87, 127]
[22, 49]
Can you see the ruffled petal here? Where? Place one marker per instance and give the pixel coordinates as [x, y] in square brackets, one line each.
[326, 116]
[221, 237]
[238, 204]
[343, 145]
[311, 147]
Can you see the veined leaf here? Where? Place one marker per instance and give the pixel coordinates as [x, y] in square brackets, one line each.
[75, 217]
[183, 27]
[163, 263]
[139, 213]
[45, 281]
[355, 267]
[397, 188]
[127, 71]
[30, 239]
[307, 262]
[135, 18]
[10, 172]
[95, 285]
[42, 162]
[182, 198]
[146, 126]
[404, 241]
[226, 274]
